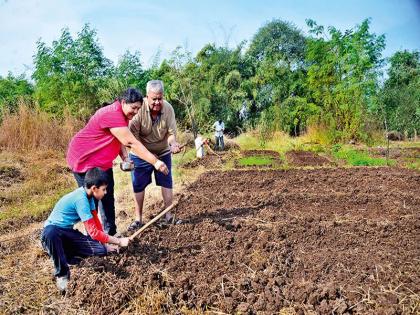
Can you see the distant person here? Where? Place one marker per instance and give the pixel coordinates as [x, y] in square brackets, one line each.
[155, 126]
[199, 146]
[104, 138]
[219, 127]
[63, 243]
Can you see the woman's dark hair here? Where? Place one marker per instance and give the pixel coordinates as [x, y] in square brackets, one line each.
[131, 95]
[95, 177]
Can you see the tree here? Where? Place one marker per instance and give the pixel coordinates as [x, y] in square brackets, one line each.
[128, 72]
[70, 73]
[401, 93]
[278, 40]
[278, 50]
[14, 89]
[343, 71]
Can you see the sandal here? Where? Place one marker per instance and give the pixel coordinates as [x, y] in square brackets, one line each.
[135, 226]
[175, 222]
[164, 221]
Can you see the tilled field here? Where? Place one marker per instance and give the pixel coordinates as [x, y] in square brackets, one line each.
[306, 158]
[342, 241]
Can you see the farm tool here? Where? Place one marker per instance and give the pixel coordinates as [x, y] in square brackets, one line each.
[156, 218]
[212, 151]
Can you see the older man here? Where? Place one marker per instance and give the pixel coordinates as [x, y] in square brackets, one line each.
[155, 127]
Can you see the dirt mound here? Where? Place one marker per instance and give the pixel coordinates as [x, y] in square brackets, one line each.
[396, 153]
[267, 153]
[9, 176]
[306, 158]
[209, 161]
[323, 240]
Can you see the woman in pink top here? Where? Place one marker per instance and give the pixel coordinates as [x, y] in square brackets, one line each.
[106, 136]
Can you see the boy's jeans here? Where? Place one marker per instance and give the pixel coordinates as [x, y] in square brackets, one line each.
[65, 245]
[106, 205]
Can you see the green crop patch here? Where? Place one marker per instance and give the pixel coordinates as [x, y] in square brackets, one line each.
[255, 161]
[359, 158]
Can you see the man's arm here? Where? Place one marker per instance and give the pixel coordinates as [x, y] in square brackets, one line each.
[127, 139]
[173, 145]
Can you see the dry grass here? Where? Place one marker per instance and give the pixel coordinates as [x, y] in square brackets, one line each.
[28, 193]
[31, 129]
[33, 172]
[155, 302]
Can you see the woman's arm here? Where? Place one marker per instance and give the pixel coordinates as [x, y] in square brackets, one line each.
[123, 153]
[124, 135]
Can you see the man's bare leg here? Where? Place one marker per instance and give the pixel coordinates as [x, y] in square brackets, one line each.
[138, 205]
[168, 197]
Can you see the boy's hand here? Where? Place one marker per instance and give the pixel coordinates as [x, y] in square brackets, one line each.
[124, 241]
[111, 248]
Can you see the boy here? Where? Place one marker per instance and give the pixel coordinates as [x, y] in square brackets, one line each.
[66, 245]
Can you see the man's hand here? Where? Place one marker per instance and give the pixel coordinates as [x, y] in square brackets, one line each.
[174, 147]
[124, 241]
[161, 167]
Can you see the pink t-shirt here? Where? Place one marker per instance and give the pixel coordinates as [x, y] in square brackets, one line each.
[95, 145]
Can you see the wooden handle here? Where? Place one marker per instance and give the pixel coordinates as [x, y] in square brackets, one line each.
[153, 220]
[212, 151]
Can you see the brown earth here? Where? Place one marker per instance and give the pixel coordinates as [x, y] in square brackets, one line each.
[321, 241]
[267, 153]
[395, 153]
[9, 176]
[306, 158]
[210, 161]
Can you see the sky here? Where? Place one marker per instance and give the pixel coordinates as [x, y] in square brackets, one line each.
[162, 25]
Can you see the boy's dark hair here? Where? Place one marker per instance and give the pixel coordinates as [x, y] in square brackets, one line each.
[131, 95]
[95, 177]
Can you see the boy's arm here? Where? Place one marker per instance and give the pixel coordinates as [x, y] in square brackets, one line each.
[94, 228]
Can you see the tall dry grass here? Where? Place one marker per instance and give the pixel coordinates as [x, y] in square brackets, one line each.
[32, 130]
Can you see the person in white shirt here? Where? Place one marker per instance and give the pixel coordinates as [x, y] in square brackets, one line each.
[219, 127]
[199, 146]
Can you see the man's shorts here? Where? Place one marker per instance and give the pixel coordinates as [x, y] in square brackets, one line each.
[141, 176]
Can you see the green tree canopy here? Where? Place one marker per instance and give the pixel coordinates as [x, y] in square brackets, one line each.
[14, 89]
[401, 93]
[343, 71]
[70, 72]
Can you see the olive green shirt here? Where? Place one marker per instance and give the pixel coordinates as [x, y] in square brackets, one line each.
[154, 135]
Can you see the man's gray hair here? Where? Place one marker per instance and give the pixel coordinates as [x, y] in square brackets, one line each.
[154, 86]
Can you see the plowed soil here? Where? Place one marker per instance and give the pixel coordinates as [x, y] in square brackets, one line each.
[396, 153]
[209, 161]
[9, 176]
[268, 153]
[306, 158]
[322, 241]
